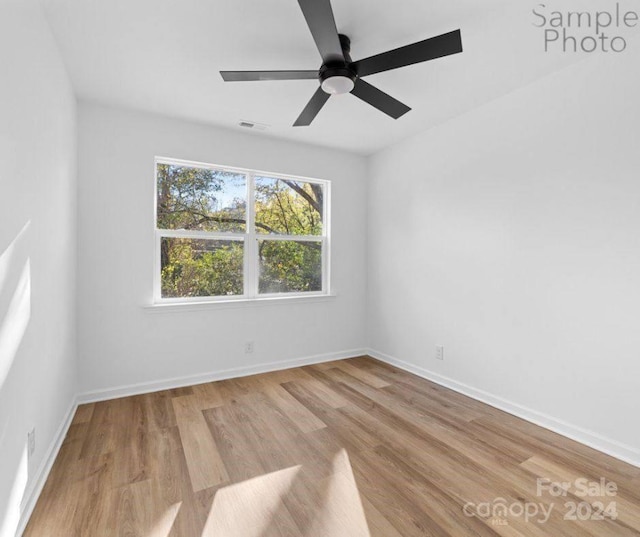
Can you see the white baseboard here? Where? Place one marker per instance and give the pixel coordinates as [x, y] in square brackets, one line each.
[594, 440]
[33, 492]
[179, 382]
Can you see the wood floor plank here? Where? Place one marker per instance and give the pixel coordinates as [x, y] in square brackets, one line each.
[363, 375]
[342, 425]
[443, 509]
[327, 394]
[300, 415]
[206, 467]
[234, 443]
[132, 454]
[275, 431]
[172, 484]
[103, 430]
[83, 413]
[159, 410]
[91, 487]
[379, 525]
[77, 433]
[353, 448]
[208, 395]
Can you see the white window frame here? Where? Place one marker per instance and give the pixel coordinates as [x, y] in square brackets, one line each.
[250, 238]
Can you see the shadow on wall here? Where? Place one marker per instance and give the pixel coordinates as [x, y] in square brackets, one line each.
[15, 314]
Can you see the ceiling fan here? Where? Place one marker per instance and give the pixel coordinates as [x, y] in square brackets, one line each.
[339, 74]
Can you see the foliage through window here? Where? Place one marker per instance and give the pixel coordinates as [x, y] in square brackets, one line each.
[227, 233]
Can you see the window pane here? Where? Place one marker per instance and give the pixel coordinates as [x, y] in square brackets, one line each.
[290, 266]
[199, 199]
[288, 207]
[197, 267]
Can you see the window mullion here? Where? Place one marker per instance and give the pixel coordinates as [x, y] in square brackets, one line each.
[291, 238]
[251, 260]
[205, 235]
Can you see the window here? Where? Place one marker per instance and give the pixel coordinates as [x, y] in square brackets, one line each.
[225, 234]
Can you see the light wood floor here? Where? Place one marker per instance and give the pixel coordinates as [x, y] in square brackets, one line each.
[345, 449]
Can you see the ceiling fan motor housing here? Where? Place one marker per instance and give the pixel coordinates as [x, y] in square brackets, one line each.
[338, 77]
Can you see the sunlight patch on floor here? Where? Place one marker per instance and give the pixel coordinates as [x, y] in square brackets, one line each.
[162, 527]
[342, 513]
[246, 509]
[330, 507]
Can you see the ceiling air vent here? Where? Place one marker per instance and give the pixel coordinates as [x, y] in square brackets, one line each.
[252, 125]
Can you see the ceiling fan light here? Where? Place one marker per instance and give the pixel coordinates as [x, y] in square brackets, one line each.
[337, 85]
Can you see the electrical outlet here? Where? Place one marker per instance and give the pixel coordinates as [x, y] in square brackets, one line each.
[248, 347]
[31, 441]
[439, 352]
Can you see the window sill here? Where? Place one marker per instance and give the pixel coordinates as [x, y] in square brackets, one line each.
[174, 307]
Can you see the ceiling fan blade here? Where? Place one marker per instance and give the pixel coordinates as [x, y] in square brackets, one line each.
[379, 99]
[313, 107]
[247, 76]
[319, 17]
[429, 49]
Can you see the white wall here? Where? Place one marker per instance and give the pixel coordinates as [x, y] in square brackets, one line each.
[511, 235]
[37, 249]
[121, 342]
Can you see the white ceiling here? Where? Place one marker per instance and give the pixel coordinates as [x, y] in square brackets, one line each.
[163, 56]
